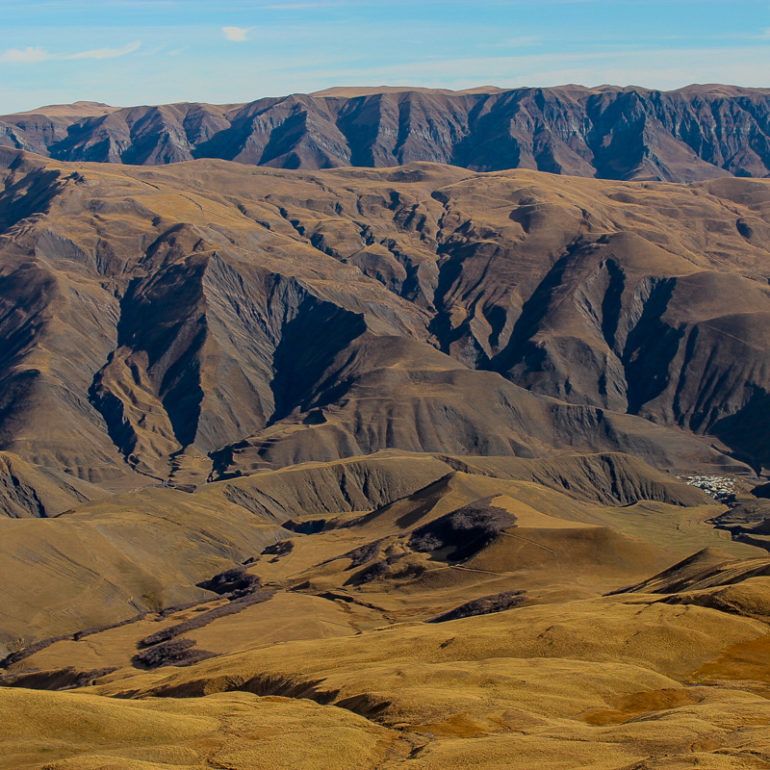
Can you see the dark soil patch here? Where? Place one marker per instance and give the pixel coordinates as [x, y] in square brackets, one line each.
[393, 567]
[333, 596]
[359, 556]
[312, 527]
[372, 572]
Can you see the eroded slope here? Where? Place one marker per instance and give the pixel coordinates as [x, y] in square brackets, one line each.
[208, 318]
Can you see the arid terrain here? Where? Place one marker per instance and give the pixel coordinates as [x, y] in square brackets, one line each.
[363, 460]
[698, 132]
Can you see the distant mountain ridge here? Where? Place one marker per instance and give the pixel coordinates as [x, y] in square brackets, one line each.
[694, 133]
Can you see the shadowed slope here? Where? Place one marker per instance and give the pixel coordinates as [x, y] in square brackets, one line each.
[28, 490]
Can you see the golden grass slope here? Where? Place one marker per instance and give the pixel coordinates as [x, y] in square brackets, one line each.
[83, 732]
[327, 672]
[360, 401]
[597, 683]
[143, 551]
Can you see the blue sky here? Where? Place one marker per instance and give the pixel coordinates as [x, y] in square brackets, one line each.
[129, 52]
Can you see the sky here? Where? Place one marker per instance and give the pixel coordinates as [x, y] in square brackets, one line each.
[133, 52]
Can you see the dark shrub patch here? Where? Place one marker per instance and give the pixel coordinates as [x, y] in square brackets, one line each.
[483, 606]
[463, 533]
[235, 582]
[177, 652]
[279, 549]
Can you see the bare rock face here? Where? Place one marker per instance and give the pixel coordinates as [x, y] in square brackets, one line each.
[698, 132]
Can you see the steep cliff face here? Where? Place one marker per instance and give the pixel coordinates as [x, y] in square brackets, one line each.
[694, 133]
[213, 318]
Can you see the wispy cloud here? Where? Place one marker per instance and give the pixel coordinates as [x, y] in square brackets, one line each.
[24, 55]
[236, 34]
[106, 53]
[35, 55]
[663, 68]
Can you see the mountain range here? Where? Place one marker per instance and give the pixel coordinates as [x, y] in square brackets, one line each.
[695, 133]
[382, 447]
